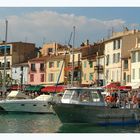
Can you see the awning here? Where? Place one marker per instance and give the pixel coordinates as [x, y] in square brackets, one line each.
[53, 89]
[126, 88]
[111, 86]
[16, 87]
[36, 88]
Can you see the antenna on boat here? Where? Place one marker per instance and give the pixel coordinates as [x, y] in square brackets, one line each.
[72, 72]
[5, 47]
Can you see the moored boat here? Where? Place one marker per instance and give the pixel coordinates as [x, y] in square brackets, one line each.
[19, 102]
[87, 105]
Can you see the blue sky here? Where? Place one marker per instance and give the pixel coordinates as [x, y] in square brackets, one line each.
[50, 24]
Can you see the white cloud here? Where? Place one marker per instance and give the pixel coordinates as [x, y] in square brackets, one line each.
[53, 26]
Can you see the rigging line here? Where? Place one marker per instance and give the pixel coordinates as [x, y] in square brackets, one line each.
[5, 49]
[63, 63]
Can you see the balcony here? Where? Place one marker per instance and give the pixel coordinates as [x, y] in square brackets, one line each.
[76, 64]
[33, 70]
[99, 68]
[2, 68]
[2, 54]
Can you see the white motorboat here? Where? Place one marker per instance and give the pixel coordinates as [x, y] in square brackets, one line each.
[87, 105]
[19, 102]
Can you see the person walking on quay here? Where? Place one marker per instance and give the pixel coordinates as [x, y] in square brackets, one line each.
[134, 100]
[138, 98]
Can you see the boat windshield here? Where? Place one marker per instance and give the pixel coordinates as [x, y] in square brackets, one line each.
[89, 96]
[67, 94]
[82, 95]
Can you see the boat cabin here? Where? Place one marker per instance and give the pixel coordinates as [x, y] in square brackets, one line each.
[83, 95]
[44, 98]
[15, 94]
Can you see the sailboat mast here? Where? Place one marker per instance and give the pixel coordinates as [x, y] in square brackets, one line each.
[72, 72]
[5, 47]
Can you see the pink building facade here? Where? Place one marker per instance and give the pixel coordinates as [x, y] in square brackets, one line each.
[37, 71]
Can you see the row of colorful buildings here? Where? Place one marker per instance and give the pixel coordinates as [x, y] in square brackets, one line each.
[116, 58]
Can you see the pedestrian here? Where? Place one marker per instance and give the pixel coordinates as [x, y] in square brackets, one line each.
[138, 98]
[134, 100]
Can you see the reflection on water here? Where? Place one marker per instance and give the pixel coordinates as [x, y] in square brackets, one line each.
[28, 123]
[87, 128]
[49, 123]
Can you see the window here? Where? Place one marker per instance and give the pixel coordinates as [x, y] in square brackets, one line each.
[79, 57]
[91, 76]
[50, 77]
[85, 64]
[58, 64]
[133, 74]
[8, 64]
[33, 67]
[42, 78]
[51, 64]
[119, 44]
[124, 76]
[128, 78]
[138, 40]
[113, 58]
[95, 96]
[21, 68]
[107, 59]
[2, 65]
[31, 77]
[90, 64]
[68, 94]
[41, 66]
[118, 57]
[133, 57]
[50, 50]
[125, 64]
[114, 45]
[7, 75]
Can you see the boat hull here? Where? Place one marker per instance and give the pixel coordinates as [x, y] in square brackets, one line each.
[26, 106]
[103, 115]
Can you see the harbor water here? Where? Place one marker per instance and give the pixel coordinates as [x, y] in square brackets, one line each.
[49, 123]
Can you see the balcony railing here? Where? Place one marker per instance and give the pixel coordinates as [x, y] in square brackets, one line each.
[76, 64]
[99, 68]
[33, 70]
[2, 54]
[2, 68]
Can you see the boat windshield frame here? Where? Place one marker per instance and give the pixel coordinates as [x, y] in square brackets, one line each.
[90, 95]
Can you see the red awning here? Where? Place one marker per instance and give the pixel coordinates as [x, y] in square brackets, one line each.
[15, 87]
[53, 89]
[127, 88]
[110, 86]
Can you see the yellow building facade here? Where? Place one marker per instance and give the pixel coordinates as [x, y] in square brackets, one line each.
[55, 69]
